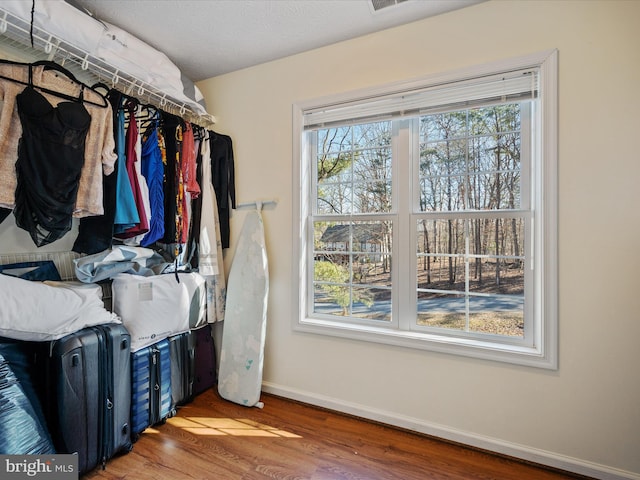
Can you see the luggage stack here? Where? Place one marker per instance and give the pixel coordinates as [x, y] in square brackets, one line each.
[159, 312]
[94, 391]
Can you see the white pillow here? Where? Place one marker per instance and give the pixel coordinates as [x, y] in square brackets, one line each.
[38, 312]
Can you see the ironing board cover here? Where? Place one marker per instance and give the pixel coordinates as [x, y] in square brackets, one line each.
[245, 321]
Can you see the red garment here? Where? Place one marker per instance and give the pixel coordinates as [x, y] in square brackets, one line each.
[189, 161]
[187, 182]
[132, 158]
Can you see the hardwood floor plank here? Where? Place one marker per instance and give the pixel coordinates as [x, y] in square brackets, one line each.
[211, 438]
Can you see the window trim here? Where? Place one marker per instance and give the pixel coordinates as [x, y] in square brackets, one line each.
[544, 352]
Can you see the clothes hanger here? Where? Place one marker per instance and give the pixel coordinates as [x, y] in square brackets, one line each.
[49, 65]
[103, 86]
[149, 117]
[52, 65]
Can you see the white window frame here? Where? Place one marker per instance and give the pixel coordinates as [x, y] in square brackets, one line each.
[542, 350]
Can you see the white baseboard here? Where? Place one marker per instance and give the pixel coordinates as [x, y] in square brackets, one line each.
[542, 457]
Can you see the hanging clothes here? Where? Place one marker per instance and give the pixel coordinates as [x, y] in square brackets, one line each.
[153, 171]
[98, 155]
[126, 215]
[210, 259]
[10, 132]
[95, 233]
[188, 187]
[196, 203]
[130, 148]
[50, 160]
[223, 177]
[182, 196]
[189, 158]
[170, 124]
[144, 188]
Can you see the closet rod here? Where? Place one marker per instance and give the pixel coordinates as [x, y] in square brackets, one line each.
[47, 47]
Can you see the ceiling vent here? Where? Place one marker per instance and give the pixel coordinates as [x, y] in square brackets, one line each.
[380, 4]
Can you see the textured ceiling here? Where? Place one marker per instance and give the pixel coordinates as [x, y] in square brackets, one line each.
[206, 38]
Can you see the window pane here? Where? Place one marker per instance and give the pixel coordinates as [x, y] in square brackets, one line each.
[372, 269]
[353, 169]
[498, 315]
[470, 275]
[443, 126]
[331, 236]
[470, 160]
[441, 236]
[352, 269]
[496, 276]
[371, 135]
[441, 310]
[497, 236]
[372, 197]
[326, 300]
[497, 118]
[334, 140]
[371, 303]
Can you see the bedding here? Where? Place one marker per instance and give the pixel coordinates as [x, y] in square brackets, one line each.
[118, 48]
[36, 311]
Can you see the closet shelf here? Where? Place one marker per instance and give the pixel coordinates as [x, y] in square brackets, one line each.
[16, 36]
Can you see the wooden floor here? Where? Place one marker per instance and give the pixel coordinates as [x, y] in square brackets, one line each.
[211, 438]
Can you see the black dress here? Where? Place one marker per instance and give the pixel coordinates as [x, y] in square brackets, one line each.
[223, 179]
[50, 159]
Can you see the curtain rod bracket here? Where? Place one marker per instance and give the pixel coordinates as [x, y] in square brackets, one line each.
[258, 204]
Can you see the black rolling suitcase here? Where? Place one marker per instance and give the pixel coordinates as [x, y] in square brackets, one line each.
[182, 355]
[87, 400]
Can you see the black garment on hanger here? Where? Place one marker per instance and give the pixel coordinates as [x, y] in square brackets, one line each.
[170, 124]
[50, 160]
[196, 203]
[223, 179]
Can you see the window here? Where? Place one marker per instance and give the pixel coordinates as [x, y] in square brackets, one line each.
[427, 213]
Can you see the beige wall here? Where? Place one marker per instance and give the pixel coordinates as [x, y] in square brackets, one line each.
[586, 415]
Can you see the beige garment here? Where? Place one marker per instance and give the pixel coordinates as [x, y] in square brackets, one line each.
[99, 146]
[210, 259]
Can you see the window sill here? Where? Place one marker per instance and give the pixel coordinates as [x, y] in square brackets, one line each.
[530, 356]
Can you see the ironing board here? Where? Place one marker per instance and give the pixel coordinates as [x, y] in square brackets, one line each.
[245, 321]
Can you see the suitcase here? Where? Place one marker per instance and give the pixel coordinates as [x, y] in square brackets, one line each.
[150, 387]
[181, 352]
[88, 393]
[205, 360]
